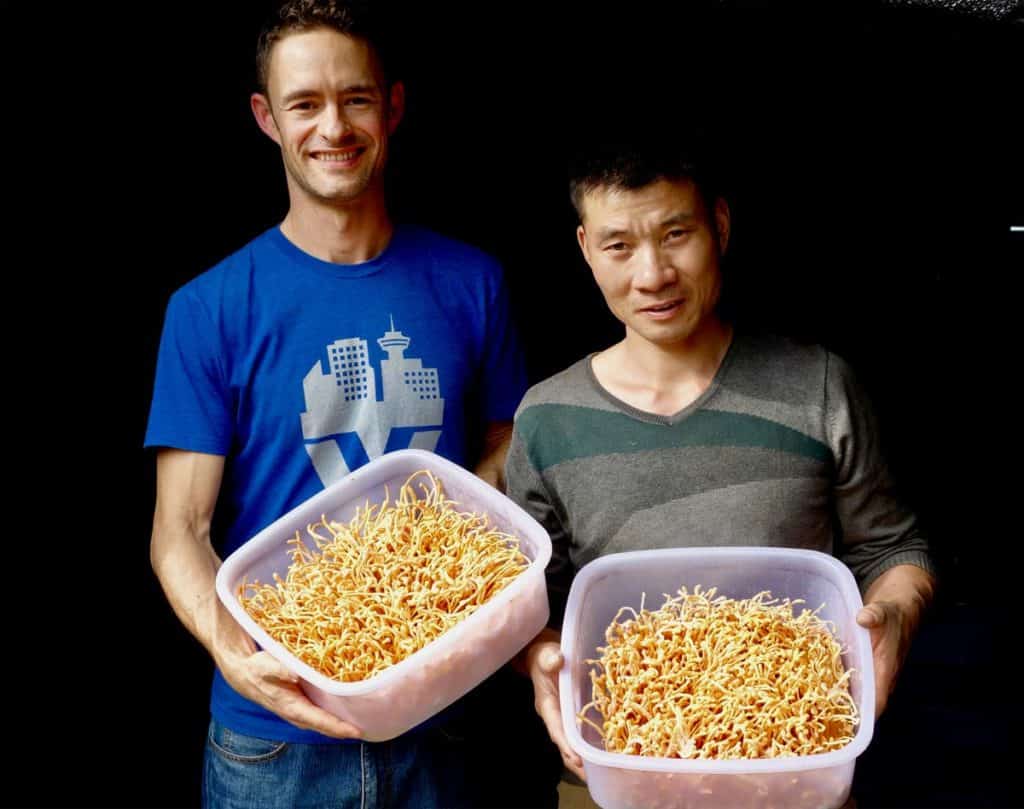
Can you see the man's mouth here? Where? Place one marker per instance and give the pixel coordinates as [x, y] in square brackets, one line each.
[665, 308]
[337, 157]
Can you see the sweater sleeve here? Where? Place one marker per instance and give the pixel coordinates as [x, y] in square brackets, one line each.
[876, 530]
[527, 489]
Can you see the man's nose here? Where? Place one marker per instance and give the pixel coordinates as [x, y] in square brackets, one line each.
[334, 125]
[655, 270]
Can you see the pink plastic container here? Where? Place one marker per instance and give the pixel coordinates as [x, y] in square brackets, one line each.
[401, 697]
[618, 781]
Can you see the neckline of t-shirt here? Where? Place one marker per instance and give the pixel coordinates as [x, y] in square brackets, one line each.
[307, 261]
[657, 418]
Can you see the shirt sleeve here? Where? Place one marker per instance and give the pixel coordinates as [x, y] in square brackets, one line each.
[877, 531]
[527, 489]
[191, 407]
[504, 367]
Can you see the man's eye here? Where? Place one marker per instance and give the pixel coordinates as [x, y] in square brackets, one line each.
[617, 247]
[359, 101]
[302, 106]
[676, 233]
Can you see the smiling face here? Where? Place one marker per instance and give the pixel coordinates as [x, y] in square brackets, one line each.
[655, 252]
[328, 109]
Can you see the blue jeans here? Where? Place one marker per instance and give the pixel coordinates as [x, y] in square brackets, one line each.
[420, 770]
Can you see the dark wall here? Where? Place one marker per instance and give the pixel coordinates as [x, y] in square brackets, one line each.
[874, 169]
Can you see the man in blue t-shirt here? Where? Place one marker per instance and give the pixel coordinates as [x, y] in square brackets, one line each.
[323, 343]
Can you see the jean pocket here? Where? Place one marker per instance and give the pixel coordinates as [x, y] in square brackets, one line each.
[241, 748]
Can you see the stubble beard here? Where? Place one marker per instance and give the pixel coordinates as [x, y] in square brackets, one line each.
[352, 187]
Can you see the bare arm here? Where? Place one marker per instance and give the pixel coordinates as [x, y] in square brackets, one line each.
[186, 565]
[491, 468]
[893, 607]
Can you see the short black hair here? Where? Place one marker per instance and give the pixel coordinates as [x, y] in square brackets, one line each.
[360, 19]
[638, 162]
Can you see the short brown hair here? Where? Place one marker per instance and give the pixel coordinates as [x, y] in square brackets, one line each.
[354, 18]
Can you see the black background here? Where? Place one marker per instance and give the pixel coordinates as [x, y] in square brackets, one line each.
[874, 170]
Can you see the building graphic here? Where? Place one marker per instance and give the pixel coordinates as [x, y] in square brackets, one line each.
[345, 401]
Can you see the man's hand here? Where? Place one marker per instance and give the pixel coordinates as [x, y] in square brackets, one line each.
[262, 679]
[543, 662]
[893, 607]
[890, 642]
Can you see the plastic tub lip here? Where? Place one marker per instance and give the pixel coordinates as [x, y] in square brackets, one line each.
[255, 547]
[820, 761]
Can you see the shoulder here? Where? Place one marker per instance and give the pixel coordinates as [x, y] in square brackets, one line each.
[774, 366]
[777, 350]
[468, 280]
[567, 390]
[797, 361]
[225, 280]
[447, 251]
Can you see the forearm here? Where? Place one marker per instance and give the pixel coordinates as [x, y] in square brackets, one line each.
[491, 467]
[186, 566]
[182, 554]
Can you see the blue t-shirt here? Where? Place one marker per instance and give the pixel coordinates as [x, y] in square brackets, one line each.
[298, 371]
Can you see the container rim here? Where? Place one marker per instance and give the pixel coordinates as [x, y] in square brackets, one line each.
[862, 639]
[374, 473]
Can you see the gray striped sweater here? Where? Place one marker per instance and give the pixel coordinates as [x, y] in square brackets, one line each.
[781, 449]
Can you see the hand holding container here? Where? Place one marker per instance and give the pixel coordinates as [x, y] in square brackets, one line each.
[619, 781]
[400, 697]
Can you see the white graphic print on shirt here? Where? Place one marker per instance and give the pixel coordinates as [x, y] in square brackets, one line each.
[345, 401]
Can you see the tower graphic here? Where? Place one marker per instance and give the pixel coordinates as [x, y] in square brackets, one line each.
[345, 401]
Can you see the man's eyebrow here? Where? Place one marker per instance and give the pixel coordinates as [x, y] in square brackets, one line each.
[368, 89]
[365, 89]
[681, 218]
[295, 95]
[610, 233]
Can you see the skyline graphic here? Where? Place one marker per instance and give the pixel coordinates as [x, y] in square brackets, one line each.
[344, 400]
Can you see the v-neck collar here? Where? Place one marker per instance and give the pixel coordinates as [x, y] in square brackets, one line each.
[657, 418]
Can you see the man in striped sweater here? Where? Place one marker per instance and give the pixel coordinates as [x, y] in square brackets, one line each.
[688, 432]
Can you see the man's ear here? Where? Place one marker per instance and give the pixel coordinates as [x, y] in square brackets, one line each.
[260, 106]
[396, 106]
[581, 240]
[722, 222]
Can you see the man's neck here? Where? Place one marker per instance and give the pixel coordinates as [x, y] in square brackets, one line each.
[341, 235]
[663, 379]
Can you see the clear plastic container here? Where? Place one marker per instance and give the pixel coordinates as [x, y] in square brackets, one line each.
[406, 694]
[618, 781]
